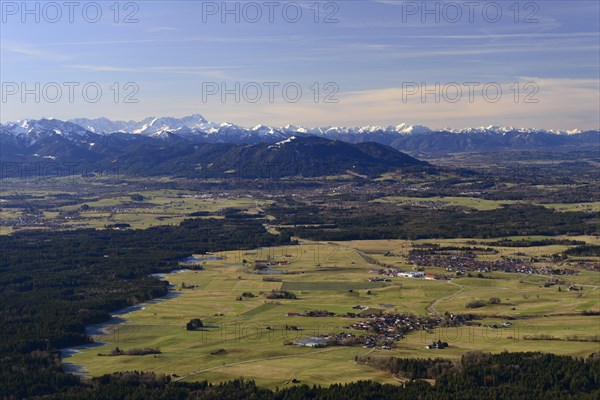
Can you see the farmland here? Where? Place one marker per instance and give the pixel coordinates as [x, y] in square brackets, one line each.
[85, 205]
[251, 338]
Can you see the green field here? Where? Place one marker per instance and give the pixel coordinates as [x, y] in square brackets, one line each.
[333, 277]
[93, 210]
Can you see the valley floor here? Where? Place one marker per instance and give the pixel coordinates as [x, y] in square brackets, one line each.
[252, 337]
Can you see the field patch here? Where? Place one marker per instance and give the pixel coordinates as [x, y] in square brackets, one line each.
[260, 309]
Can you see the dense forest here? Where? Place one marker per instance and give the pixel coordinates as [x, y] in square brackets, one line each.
[405, 222]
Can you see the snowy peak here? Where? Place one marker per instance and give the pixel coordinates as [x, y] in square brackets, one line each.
[31, 131]
[412, 129]
[195, 121]
[147, 126]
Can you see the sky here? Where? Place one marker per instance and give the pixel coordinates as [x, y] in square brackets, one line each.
[440, 64]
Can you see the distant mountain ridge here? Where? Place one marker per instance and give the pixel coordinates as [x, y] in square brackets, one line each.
[153, 125]
[32, 147]
[195, 129]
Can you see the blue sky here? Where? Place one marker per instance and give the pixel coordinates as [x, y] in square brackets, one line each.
[380, 61]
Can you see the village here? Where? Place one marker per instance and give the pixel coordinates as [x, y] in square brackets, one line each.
[383, 330]
[464, 264]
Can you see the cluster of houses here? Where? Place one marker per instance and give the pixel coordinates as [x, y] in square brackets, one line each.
[468, 263]
[347, 339]
[395, 326]
[25, 221]
[379, 279]
[546, 270]
[383, 330]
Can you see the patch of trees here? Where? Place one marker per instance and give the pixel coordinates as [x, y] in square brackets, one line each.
[475, 304]
[505, 375]
[281, 294]
[270, 279]
[194, 324]
[131, 352]
[200, 214]
[534, 243]
[584, 251]
[431, 248]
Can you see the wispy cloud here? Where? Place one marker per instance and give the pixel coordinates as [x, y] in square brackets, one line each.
[32, 51]
[216, 72]
[162, 29]
[562, 104]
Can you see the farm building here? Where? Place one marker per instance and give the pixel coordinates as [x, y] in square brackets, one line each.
[313, 341]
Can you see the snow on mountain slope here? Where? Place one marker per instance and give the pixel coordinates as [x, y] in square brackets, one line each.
[196, 129]
[28, 132]
[147, 126]
[196, 123]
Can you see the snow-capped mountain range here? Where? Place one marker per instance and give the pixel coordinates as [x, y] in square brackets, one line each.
[155, 126]
[194, 129]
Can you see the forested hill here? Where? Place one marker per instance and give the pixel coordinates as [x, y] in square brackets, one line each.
[146, 156]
